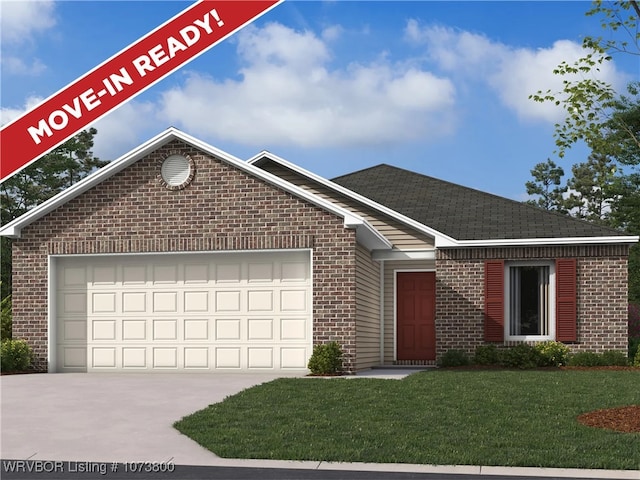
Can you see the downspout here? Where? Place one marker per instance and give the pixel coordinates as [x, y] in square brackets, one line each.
[381, 312]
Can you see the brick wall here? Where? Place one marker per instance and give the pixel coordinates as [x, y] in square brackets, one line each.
[222, 209]
[601, 294]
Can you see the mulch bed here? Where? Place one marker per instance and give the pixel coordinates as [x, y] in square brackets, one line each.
[621, 419]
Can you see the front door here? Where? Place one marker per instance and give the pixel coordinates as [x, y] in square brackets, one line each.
[416, 313]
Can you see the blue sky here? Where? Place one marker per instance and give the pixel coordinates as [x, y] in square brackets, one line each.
[438, 87]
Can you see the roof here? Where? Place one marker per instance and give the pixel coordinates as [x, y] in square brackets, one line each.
[466, 214]
[365, 233]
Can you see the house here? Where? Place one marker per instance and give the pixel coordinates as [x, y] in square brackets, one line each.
[178, 256]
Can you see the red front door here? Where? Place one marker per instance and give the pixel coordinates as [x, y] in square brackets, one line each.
[416, 313]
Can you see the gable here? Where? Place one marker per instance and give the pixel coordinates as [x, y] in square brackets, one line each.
[131, 191]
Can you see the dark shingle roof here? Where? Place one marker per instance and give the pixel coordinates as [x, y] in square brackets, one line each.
[461, 212]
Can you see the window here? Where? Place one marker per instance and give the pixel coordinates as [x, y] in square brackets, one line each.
[529, 306]
[531, 300]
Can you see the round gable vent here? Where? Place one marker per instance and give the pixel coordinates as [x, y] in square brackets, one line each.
[177, 171]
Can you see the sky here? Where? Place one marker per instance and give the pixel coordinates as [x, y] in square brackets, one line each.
[437, 87]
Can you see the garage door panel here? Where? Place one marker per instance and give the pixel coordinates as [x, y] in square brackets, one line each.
[196, 301]
[103, 302]
[134, 357]
[196, 357]
[72, 303]
[134, 330]
[104, 275]
[134, 274]
[192, 312]
[195, 329]
[165, 274]
[228, 357]
[134, 302]
[260, 329]
[260, 357]
[227, 329]
[228, 273]
[196, 274]
[260, 300]
[74, 357]
[228, 301]
[103, 330]
[103, 357]
[165, 357]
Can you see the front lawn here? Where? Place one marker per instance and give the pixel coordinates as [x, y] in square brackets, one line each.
[510, 418]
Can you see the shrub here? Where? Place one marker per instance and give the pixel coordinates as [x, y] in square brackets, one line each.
[636, 360]
[15, 355]
[486, 355]
[521, 356]
[454, 358]
[634, 347]
[615, 357]
[634, 320]
[552, 354]
[326, 359]
[586, 359]
[5, 317]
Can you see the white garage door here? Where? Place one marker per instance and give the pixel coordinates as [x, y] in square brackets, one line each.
[191, 312]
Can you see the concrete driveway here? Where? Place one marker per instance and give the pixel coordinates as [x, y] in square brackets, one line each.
[109, 417]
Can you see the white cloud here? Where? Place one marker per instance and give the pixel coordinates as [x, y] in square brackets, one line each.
[121, 130]
[8, 114]
[513, 73]
[288, 94]
[20, 19]
[18, 66]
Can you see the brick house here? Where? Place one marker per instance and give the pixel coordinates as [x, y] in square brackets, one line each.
[180, 257]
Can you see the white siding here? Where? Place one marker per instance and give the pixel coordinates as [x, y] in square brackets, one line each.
[367, 310]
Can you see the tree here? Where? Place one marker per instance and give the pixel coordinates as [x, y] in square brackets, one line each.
[591, 105]
[592, 189]
[46, 177]
[547, 177]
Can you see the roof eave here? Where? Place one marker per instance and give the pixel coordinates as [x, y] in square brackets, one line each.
[515, 242]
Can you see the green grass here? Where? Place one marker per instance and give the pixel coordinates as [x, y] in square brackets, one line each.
[510, 418]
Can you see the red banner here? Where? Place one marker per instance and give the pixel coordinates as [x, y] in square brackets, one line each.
[122, 77]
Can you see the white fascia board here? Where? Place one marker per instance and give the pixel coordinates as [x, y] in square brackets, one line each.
[13, 228]
[548, 241]
[440, 238]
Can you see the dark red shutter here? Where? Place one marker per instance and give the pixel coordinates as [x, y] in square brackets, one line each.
[494, 300]
[566, 305]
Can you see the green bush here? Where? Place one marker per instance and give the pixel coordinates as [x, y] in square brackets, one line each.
[486, 355]
[15, 355]
[634, 347]
[636, 360]
[454, 358]
[586, 359]
[615, 357]
[326, 359]
[5, 317]
[552, 354]
[521, 356]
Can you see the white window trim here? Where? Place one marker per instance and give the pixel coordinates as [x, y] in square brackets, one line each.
[552, 301]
